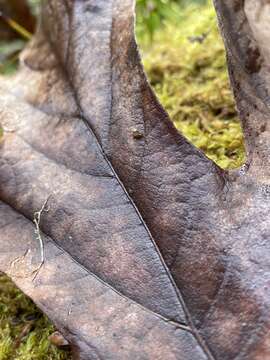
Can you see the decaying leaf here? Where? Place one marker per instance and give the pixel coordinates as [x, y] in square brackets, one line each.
[151, 250]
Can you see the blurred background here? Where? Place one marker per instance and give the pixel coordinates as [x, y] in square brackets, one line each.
[184, 58]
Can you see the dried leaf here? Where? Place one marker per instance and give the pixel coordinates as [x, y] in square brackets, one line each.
[151, 250]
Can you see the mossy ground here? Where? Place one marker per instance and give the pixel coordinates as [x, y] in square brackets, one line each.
[185, 61]
[186, 66]
[24, 330]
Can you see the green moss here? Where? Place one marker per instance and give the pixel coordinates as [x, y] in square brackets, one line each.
[186, 65]
[24, 330]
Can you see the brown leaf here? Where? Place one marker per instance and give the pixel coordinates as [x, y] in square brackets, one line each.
[83, 130]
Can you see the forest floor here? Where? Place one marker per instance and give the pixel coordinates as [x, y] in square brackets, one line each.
[185, 62]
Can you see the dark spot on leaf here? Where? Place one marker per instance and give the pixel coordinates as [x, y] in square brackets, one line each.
[137, 134]
[263, 128]
[92, 8]
[254, 60]
[238, 5]
[132, 52]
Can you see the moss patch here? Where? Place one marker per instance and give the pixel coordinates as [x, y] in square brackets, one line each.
[24, 330]
[186, 65]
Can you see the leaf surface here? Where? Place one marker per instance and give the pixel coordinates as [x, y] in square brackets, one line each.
[151, 250]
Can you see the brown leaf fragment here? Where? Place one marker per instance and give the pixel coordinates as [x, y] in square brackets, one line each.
[25, 331]
[58, 339]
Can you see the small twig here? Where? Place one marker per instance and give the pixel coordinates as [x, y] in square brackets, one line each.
[37, 217]
[19, 258]
[16, 27]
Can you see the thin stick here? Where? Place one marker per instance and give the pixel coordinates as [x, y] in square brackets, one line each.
[37, 217]
[16, 27]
